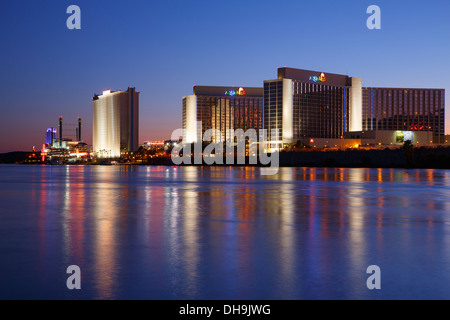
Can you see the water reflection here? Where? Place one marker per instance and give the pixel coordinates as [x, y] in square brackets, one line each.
[108, 198]
[231, 233]
[73, 214]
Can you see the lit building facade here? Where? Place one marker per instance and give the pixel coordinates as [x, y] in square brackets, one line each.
[115, 123]
[222, 108]
[404, 109]
[304, 103]
[50, 135]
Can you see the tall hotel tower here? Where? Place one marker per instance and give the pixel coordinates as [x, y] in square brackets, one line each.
[304, 103]
[115, 123]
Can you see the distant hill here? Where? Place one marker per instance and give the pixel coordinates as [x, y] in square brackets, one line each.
[13, 157]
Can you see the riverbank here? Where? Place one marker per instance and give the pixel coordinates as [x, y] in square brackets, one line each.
[13, 157]
[435, 158]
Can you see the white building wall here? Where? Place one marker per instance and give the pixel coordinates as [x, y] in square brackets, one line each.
[191, 119]
[355, 121]
[106, 126]
[287, 132]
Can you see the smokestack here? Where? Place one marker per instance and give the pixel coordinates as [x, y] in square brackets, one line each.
[60, 129]
[79, 128]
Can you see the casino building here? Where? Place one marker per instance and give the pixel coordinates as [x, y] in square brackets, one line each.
[404, 109]
[115, 123]
[304, 105]
[222, 108]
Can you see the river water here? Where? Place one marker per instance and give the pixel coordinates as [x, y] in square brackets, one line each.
[157, 232]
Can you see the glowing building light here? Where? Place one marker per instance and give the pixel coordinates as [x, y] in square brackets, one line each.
[240, 92]
[321, 78]
[115, 123]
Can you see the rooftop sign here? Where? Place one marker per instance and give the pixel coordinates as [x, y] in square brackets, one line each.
[322, 78]
[240, 92]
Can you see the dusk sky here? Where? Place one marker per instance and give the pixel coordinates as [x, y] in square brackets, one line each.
[163, 48]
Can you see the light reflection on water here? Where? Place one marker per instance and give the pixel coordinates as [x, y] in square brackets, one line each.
[223, 233]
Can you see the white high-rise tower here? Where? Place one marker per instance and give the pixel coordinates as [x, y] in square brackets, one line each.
[115, 123]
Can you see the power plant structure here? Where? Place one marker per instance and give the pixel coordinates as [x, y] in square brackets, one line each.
[67, 134]
[65, 144]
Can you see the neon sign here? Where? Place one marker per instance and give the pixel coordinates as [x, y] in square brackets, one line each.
[322, 78]
[240, 92]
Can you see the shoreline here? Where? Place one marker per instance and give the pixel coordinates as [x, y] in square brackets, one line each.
[400, 158]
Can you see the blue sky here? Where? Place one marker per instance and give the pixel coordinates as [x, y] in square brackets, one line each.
[163, 48]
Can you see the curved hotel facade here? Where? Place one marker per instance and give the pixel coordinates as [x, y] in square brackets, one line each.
[115, 123]
[303, 105]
